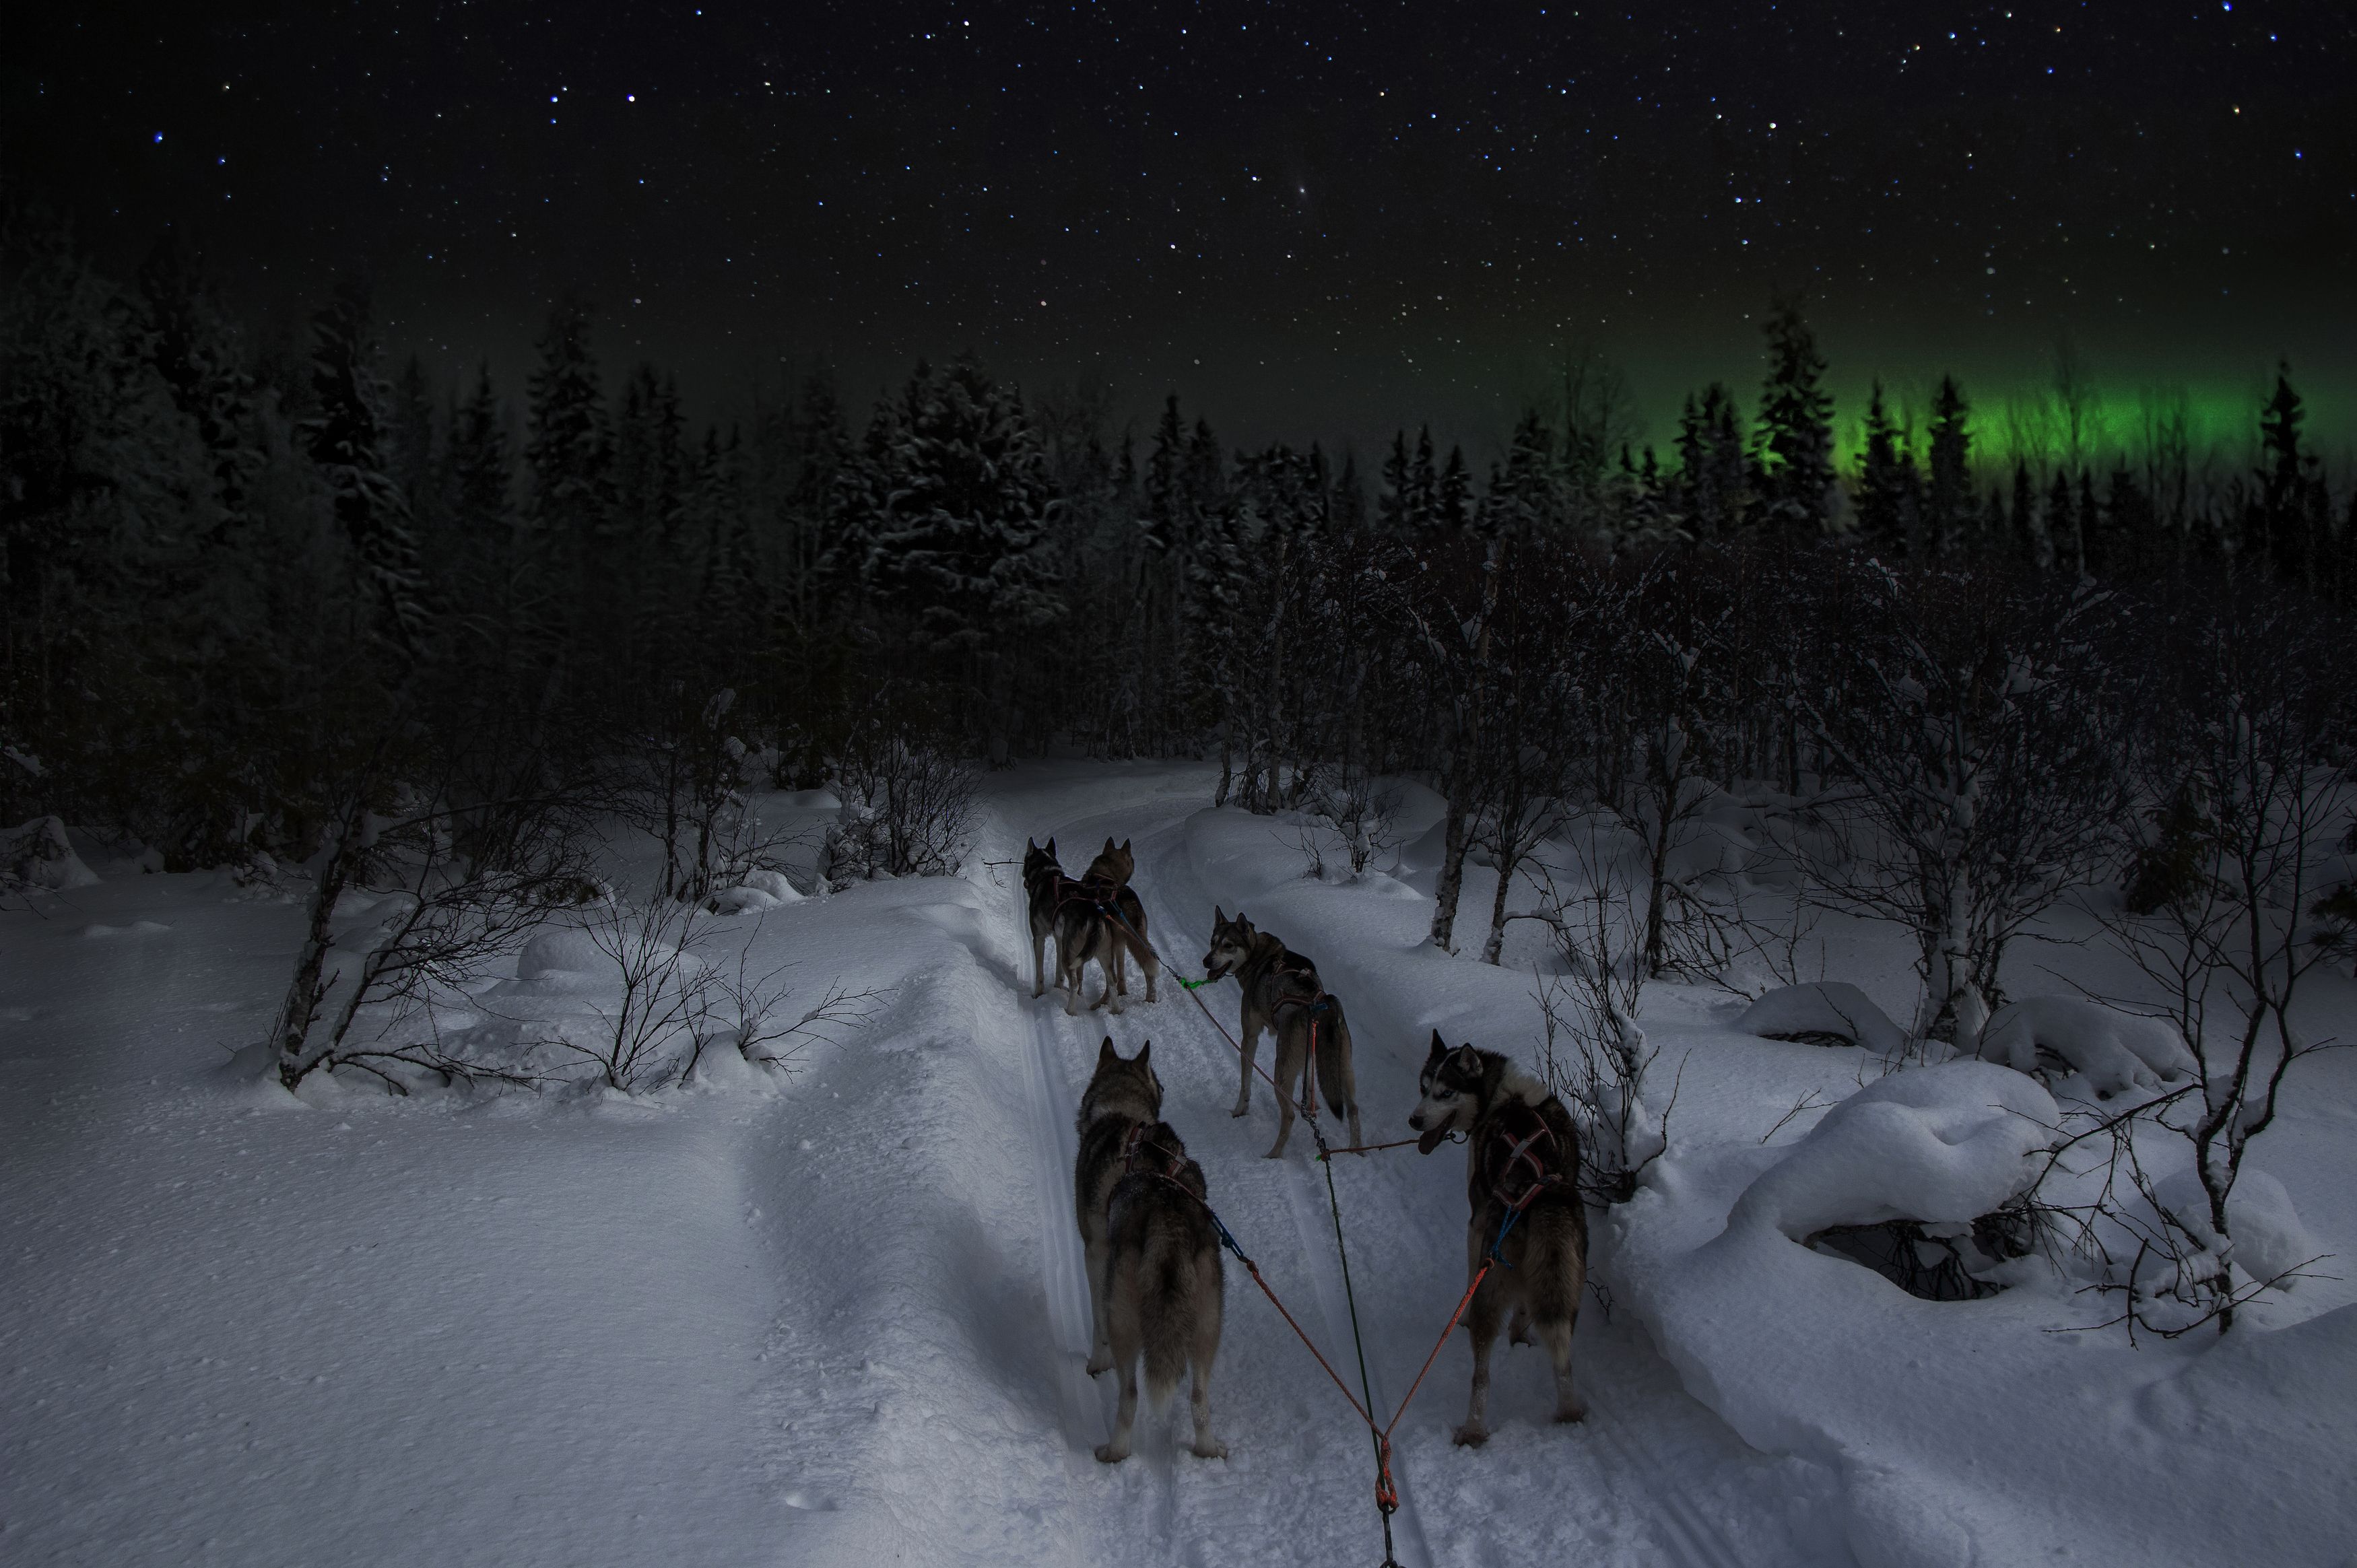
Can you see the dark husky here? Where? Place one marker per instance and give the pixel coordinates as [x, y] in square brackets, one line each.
[1283, 995]
[1111, 870]
[1080, 916]
[1523, 1153]
[1154, 1279]
[1123, 1097]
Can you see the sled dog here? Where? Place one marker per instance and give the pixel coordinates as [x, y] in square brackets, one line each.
[1284, 998]
[1112, 869]
[1043, 880]
[1155, 1279]
[1123, 1096]
[1078, 915]
[1522, 1165]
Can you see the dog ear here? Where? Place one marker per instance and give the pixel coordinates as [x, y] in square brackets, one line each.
[1125, 846]
[1440, 1049]
[1105, 1053]
[1050, 847]
[1144, 1054]
[1218, 919]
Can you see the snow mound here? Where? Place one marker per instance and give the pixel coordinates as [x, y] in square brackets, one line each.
[1943, 1144]
[2269, 1239]
[758, 892]
[1824, 1009]
[38, 855]
[561, 951]
[136, 928]
[2115, 1050]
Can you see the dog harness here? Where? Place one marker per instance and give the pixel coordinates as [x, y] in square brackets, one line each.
[1523, 1158]
[1135, 1148]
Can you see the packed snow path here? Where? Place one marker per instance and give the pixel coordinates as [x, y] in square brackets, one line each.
[1651, 1477]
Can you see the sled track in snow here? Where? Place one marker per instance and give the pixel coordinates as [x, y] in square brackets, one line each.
[1693, 1539]
[1620, 1458]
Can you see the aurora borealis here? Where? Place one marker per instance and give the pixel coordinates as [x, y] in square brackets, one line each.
[1318, 221]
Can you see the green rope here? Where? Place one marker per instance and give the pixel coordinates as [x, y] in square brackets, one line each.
[1193, 984]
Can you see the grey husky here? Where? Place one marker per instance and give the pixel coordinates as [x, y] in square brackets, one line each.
[1111, 870]
[1090, 917]
[1522, 1165]
[1284, 998]
[1154, 1279]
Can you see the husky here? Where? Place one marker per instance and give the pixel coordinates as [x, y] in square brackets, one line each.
[1163, 1287]
[1112, 869]
[1123, 1096]
[1284, 998]
[1078, 915]
[1523, 1153]
[1043, 882]
[1155, 1284]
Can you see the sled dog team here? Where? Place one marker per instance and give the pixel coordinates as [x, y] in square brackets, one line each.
[1151, 1244]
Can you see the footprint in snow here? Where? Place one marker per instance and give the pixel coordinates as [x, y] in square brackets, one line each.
[136, 928]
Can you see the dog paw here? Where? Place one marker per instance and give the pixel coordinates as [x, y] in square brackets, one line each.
[1210, 1450]
[1241, 1111]
[1111, 1453]
[1100, 1365]
[1571, 1416]
[1470, 1436]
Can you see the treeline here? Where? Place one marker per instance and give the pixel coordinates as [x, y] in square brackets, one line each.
[240, 577]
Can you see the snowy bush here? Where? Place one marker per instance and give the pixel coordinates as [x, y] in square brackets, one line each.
[1592, 1052]
[1945, 1144]
[38, 855]
[2268, 1241]
[2115, 1050]
[2242, 707]
[1361, 809]
[908, 810]
[1823, 1012]
[1971, 718]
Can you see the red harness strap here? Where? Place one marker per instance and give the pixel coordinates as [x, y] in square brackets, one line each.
[1523, 1153]
[1134, 1147]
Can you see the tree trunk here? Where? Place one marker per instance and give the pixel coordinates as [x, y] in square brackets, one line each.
[1493, 945]
[1452, 877]
[291, 1030]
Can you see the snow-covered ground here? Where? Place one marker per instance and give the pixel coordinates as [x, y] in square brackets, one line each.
[839, 1316]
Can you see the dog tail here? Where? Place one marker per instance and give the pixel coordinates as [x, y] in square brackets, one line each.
[1167, 1318]
[1333, 1058]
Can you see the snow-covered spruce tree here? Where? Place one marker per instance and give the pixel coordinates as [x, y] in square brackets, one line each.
[957, 551]
[567, 456]
[656, 580]
[1951, 519]
[1716, 479]
[347, 440]
[1890, 490]
[471, 564]
[1796, 432]
[2244, 710]
[191, 346]
[1974, 721]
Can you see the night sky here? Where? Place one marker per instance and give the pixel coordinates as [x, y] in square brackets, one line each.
[1308, 220]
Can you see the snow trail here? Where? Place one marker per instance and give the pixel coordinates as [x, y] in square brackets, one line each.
[1613, 1495]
